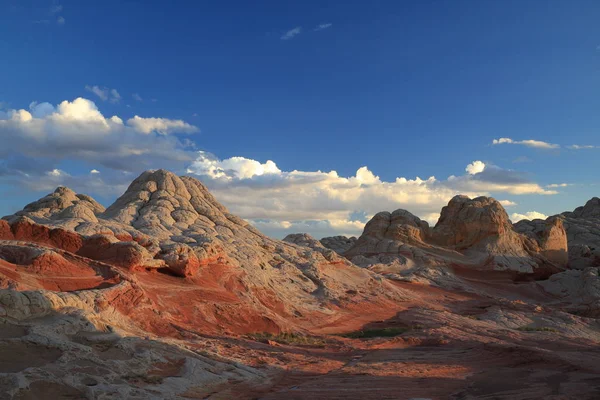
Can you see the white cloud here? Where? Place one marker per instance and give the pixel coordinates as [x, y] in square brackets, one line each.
[231, 168]
[162, 126]
[320, 27]
[56, 173]
[581, 147]
[324, 203]
[137, 97]
[77, 130]
[291, 33]
[530, 215]
[507, 203]
[60, 20]
[529, 143]
[104, 93]
[558, 185]
[55, 9]
[475, 167]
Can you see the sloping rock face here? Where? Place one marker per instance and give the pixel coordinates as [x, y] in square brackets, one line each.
[473, 233]
[583, 233]
[582, 227]
[339, 244]
[551, 237]
[578, 290]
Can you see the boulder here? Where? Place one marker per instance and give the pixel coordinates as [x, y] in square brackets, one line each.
[339, 244]
[180, 259]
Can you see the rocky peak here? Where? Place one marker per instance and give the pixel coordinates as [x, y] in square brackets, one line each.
[162, 204]
[339, 244]
[387, 232]
[303, 239]
[63, 203]
[591, 209]
[464, 222]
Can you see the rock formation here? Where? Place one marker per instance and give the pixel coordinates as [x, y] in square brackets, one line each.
[474, 233]
[304, 239]
[577, 290]
[173, 224]
[165, 294]
[583, 233]
[339, 244]
[582, 228]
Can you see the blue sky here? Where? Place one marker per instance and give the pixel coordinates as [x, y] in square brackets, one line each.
[406, 88]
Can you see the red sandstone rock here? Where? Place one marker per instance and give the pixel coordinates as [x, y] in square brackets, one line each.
[27, 230]
[123, 254]
[5, 232]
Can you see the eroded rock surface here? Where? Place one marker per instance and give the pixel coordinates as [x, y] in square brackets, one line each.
[165, 294]
[339, 244]
[471, 233]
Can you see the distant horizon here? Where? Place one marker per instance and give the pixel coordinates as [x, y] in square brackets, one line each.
[431, 223]
[305, 116]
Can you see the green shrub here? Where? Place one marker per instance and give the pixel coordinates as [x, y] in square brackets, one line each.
[534, 329]
[290, 338]
[371, 333]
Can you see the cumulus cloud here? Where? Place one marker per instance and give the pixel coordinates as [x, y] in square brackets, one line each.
[475, 167]
[232, 168]
[538, 144]
[530, 215]
[325, 203]
[104, 93]
[275, 200]
[507, 203]
[291, 33]
[45, 134]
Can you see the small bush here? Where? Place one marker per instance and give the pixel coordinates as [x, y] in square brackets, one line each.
[533, 329]
[371, 333]
[290, 338]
